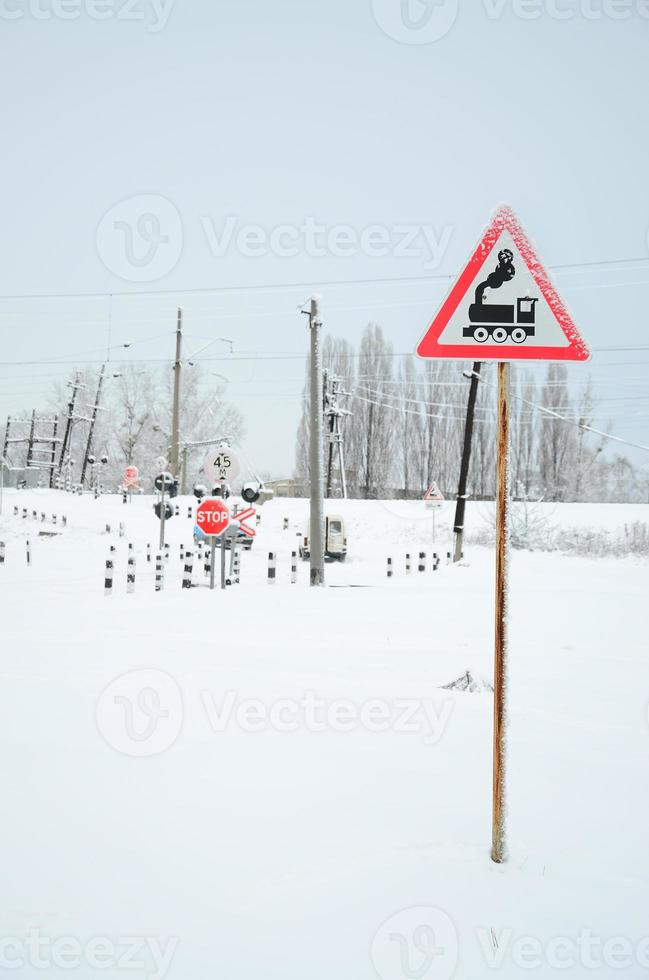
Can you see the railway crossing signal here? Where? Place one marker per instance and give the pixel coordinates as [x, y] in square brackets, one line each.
[242, 517]
[526, 320]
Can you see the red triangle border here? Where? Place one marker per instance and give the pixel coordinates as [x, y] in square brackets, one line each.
[577, 349]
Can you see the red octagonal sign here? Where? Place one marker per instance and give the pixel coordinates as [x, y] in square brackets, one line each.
[213, 516]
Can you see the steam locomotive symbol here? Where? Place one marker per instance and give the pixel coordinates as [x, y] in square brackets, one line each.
[501, 321]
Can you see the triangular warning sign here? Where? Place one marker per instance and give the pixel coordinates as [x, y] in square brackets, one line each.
[503, 306]
[434, 493]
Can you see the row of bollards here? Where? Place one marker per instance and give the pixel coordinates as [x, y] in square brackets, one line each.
[272, 568]
[203, 556]
[54, 518]
[421, 562]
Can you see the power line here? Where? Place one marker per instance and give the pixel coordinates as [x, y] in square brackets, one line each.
[309, 285]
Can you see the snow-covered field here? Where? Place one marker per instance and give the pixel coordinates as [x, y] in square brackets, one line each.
[273, 782]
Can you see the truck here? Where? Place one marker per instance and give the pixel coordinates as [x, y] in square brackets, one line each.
[335, 540]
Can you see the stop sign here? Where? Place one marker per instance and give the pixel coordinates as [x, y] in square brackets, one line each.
[213, 516]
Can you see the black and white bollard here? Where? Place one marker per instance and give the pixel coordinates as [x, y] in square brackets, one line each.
[64, 521]
[159, 573]
[24, 513]
[389, 568]
[108, 577]
[148, 553]
[408, 565]
[421, 567]
[293, 567]
[272, 567]
[187, 574]
[448, 557]
[2, 552]
[257, 519]
[177, 510]
[108, 529]
[190, 511]
[28, 551]
[124, 497]
[167, 551]
[182, 552]
[34, 515]
[130, 574]
[53, 518]
[285, 524]
[15, 511]
[42, 517]
[236, 568]
[121, 529]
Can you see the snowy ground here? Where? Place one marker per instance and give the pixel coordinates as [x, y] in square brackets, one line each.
[272, 782]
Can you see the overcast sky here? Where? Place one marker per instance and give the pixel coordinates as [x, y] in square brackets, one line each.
[198, 145]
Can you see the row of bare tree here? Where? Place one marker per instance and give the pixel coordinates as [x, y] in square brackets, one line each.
[407, 426]
[133, 424]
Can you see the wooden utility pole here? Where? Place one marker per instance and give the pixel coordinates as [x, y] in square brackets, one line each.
[67, 435]
[498, 838]
[316, 522]
[93, 419]
[460, 507]
[175, 409]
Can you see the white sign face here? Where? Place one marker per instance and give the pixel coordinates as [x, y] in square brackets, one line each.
[503, 306]
[221, 464]
[433, 496]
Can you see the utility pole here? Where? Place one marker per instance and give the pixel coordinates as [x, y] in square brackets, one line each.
[316, 528]
[30, 443]
[67, 435]
[335, 438]
[93, 419]
[183, 470]
[175, 410]
[458, 528]
[52, 464]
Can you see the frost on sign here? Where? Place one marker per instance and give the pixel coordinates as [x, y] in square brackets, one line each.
[503, 306]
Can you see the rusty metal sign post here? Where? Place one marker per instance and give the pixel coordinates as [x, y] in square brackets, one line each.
[527, 321]
[498, 838]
